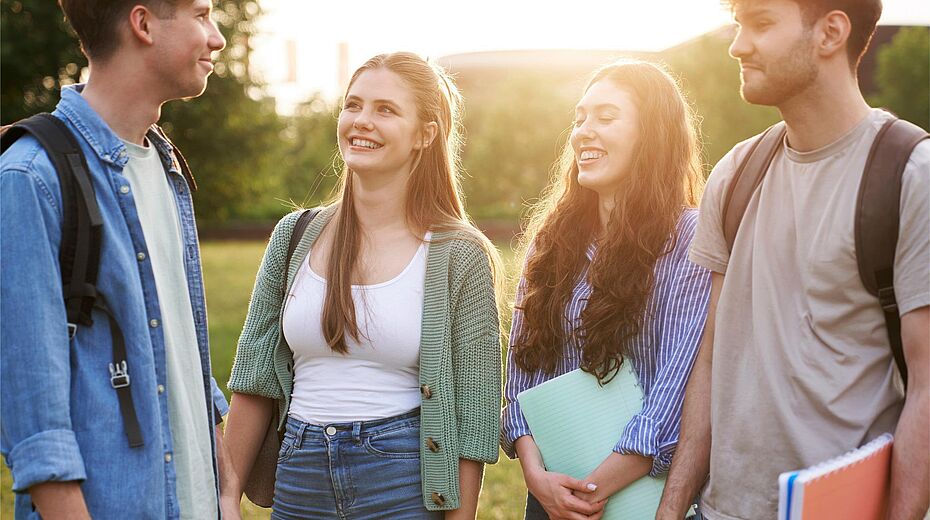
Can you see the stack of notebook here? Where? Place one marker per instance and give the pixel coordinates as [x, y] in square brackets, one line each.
[576, 423]
[854, 485]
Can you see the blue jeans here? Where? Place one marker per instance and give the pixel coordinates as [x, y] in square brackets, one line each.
[356, 470]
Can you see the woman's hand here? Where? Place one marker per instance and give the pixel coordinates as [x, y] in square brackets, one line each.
[555, 493]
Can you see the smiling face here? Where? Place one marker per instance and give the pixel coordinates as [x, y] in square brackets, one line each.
[185, 44]
[774, 46]
[379, 129]
[605, 135]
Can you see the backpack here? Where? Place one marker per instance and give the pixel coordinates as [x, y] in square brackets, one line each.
[81, 236]
[877, 210]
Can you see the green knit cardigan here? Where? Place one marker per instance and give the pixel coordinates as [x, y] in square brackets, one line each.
[460, 355]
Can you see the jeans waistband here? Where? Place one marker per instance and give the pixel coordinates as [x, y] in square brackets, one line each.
[357, 428]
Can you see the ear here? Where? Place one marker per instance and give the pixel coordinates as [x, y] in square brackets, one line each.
[427, 136]
[833, 34]
[140, 24]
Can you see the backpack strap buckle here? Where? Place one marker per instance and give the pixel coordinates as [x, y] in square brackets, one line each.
[72, 330]
[887, 300]
[119, 377]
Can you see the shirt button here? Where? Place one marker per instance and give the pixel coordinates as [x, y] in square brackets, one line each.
[161, 389]
[167, 457]
[122, 153]
[124, 189]
[330, 430]
[431, 444]
[140, 256]
[153, 323]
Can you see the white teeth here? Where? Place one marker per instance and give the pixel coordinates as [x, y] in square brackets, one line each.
[365, 143]
[591, 154]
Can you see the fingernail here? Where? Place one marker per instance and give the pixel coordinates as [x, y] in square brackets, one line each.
[592, 486]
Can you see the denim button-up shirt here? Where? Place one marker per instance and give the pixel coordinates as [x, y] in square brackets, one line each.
[60, 416]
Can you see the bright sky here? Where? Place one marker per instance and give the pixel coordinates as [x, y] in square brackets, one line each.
[315, 29]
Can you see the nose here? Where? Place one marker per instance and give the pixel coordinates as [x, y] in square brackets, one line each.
[362, 121]
[740, 47]
[216, 41]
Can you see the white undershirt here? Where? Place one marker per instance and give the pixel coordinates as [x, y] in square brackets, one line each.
[379, 377]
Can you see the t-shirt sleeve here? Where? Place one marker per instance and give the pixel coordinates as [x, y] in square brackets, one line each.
[709, 247]
[912, 257]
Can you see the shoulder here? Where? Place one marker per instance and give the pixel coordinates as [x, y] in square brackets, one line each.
[467, 248]
[26, 167]
[723, 172]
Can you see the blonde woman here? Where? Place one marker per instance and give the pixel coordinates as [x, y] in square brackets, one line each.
[384, 352]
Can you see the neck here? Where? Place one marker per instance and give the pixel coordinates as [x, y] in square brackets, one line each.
[380, 203]
[122, 100]
[605, 205]
[824, 112]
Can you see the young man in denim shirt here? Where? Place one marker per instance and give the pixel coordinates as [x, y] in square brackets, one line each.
[63, 434]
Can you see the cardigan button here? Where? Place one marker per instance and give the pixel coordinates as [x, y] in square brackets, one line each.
[431, 444]
[438, 499]
[426, 391]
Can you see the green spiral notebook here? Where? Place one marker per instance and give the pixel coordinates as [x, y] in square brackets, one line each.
[576, 423]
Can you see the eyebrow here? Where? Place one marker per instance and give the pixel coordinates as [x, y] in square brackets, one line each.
[375, 101]
[599, 107]
[753, 12]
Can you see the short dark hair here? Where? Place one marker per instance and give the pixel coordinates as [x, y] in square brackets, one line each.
[96, 22]
[863, 17]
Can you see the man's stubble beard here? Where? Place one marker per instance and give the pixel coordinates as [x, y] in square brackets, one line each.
[785, 77]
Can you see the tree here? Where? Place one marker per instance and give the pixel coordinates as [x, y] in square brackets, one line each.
[903, 76]
[38, 54]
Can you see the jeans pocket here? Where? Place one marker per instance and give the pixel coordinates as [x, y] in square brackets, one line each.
[402, 442]
[287, 447]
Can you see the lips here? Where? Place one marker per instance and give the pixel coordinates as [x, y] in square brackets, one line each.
[590, 154]
[360, 143]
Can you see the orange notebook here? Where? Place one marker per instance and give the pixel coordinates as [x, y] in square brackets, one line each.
[853, 485]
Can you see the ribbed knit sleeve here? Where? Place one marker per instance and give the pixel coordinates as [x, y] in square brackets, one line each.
[253, 370]
[476, 354]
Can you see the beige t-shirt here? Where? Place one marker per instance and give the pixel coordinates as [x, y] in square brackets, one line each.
[802, 369]
[187, 415]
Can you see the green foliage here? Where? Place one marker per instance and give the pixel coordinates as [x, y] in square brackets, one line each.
[515, 133]
[710, 80]
[903, 76]
[311, 163]
[38, 54]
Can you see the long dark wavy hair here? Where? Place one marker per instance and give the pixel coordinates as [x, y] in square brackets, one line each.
[665, 176]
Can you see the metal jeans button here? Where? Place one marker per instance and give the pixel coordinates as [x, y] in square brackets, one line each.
[330, 430]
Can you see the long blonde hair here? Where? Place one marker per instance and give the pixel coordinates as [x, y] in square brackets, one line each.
[434, 195]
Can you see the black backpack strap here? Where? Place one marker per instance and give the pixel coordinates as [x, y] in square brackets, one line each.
[79, 255]
[82, 224]
[300, 227]
[878, 215]
[747, 179]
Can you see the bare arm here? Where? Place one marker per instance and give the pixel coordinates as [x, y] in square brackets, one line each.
[910, 463]
[470, 473]
[691, 463]
[554, 490]
[54, 500]
[616, 472]
[246, 425]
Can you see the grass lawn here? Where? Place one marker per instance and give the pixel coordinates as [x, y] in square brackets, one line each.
[229, 271]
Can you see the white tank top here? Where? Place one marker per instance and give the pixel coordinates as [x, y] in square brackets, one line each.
[379, 377]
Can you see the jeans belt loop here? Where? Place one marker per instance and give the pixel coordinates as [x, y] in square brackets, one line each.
[357, 431]
[300, 435]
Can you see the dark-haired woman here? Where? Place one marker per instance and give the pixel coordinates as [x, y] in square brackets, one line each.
[607, 280]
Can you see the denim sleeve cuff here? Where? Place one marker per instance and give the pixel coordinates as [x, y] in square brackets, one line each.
[48, 456]
[219, 400]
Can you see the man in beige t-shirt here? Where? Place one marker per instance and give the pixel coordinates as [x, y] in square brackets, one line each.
[795, 366]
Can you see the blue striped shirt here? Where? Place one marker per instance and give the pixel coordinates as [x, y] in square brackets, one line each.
[662, 353]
